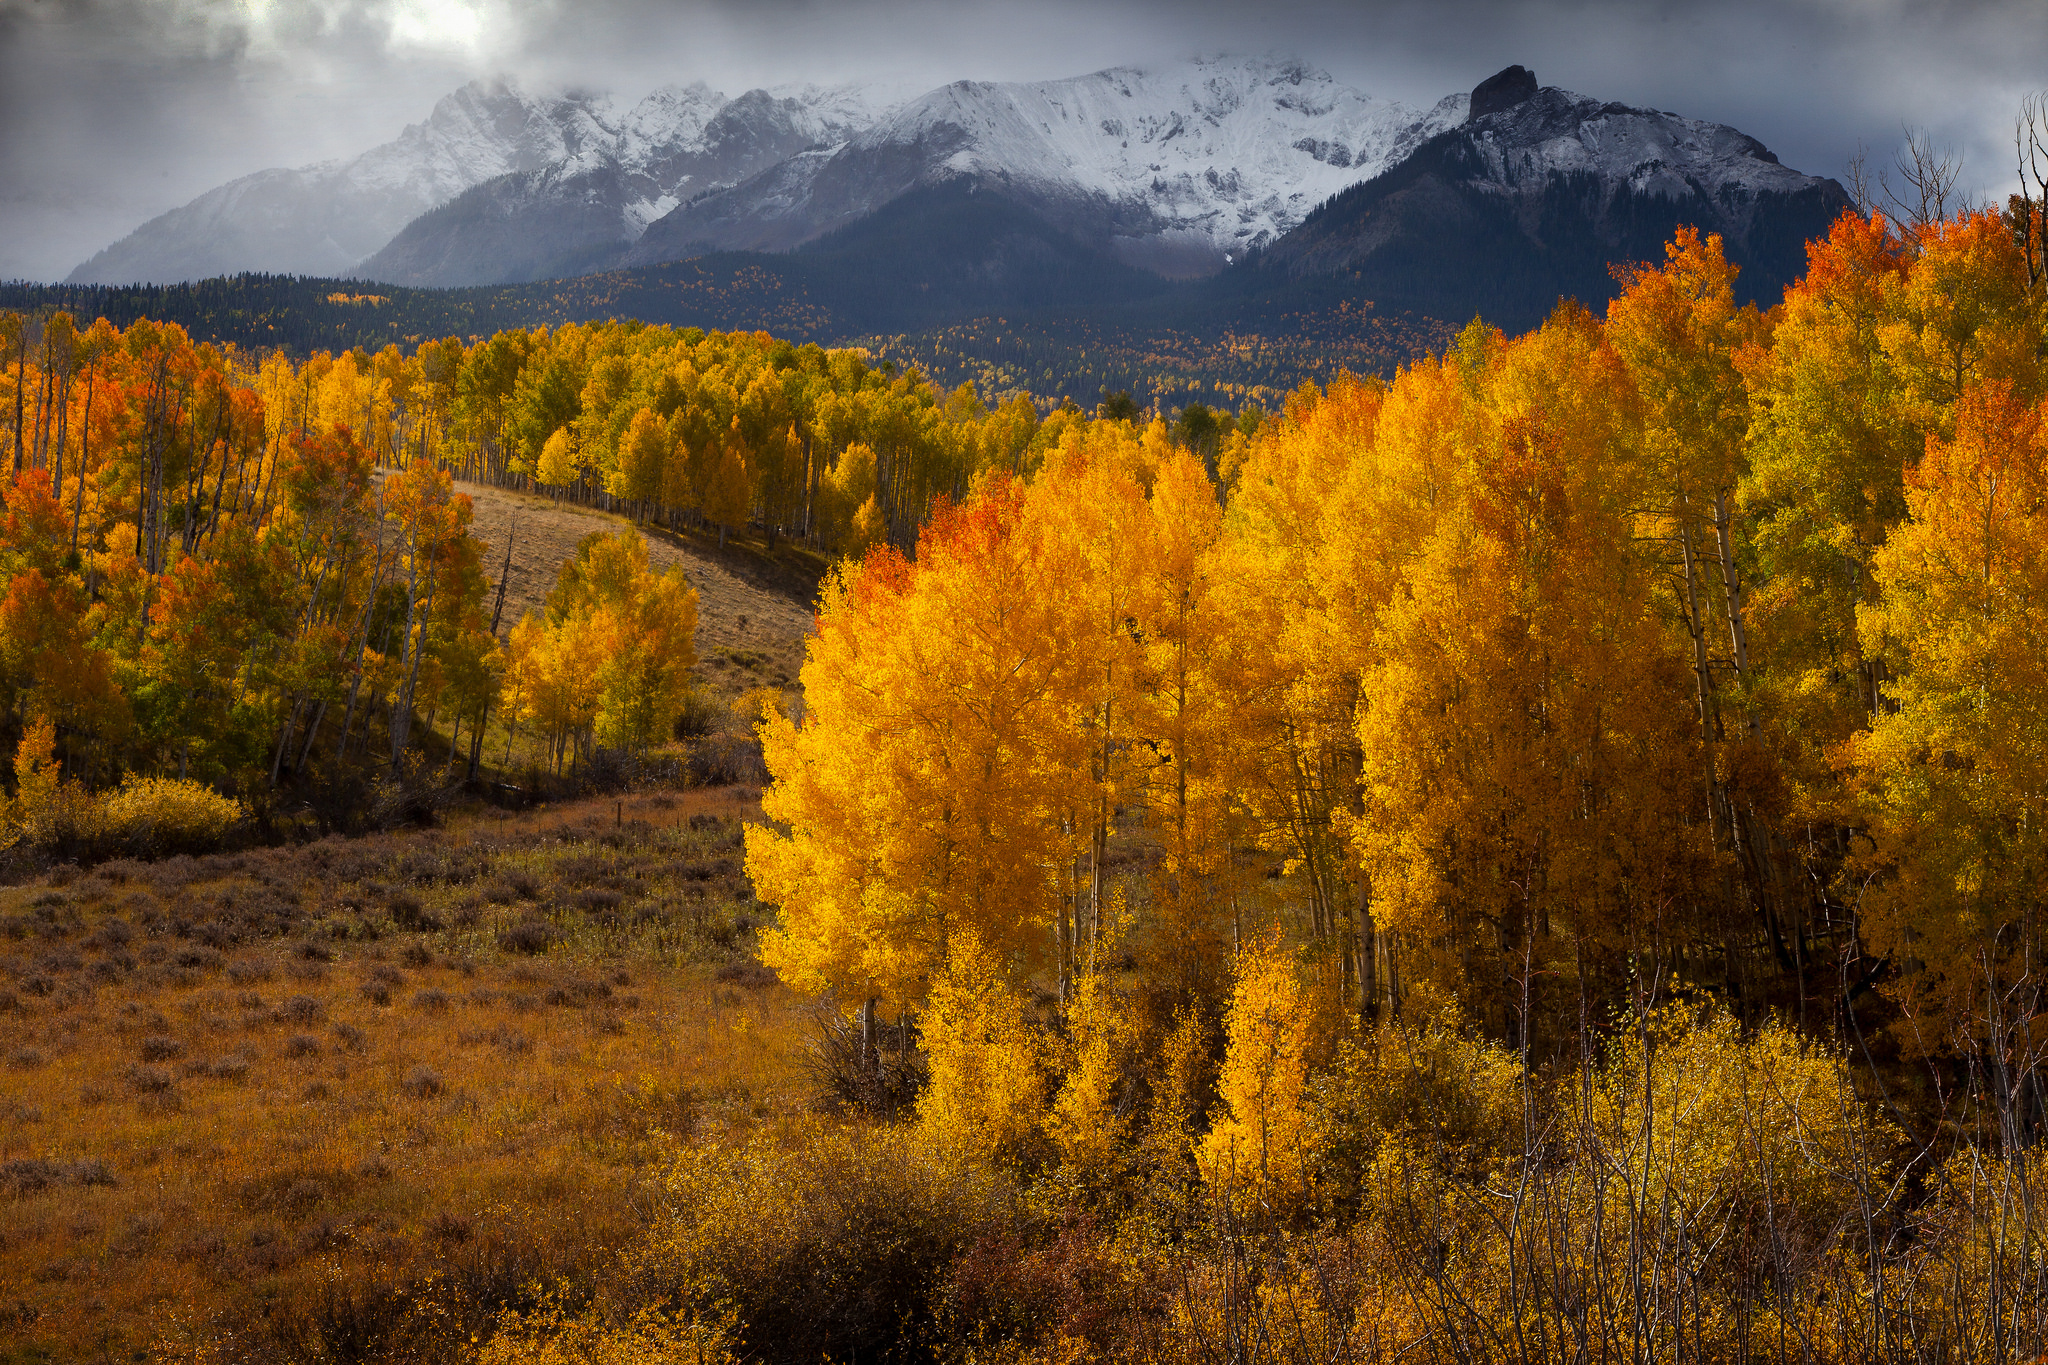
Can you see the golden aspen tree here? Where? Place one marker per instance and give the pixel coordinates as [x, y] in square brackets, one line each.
[643, 452]
[1258, 1153]
[729, 497]
[47, 808]
[1963, 313]
[1953, 770]
[1679, 331]
[1828, 445]
[557, 467]
[1196, 712]
[986, 1095]
[1530, 767]
[1093, 502]
[1312, 557]
[918, 793]
[1083, 1122]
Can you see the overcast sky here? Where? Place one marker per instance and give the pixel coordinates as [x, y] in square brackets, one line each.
[116, 110]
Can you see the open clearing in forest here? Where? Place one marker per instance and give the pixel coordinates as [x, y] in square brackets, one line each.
[753, 610]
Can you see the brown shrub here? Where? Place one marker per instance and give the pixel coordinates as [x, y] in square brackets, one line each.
[149, 1080]
[530, 937]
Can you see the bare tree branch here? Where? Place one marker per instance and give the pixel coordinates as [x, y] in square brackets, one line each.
[1927, 181]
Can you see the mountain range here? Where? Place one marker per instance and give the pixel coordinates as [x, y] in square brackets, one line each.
[1214, 190]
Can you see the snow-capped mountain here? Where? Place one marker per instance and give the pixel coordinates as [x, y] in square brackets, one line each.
[583, 211]
[1174, 167]
[1262, 173]
[1535, 194]
[322, 219]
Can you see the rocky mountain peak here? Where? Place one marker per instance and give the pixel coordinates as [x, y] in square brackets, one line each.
[1502, 90]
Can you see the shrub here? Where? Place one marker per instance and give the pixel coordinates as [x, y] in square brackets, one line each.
[530, 937]
[162, 814]
[25, 1176]
[833, 1244]
[302, 1045]
[300, 1009]
[47, 810]
[158, 1048]
[422, 1083]
[149, 1080]
[648, 1337]
[986, 1092]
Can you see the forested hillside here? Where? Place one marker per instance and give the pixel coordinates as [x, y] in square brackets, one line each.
[1169, 344]
[234, 570]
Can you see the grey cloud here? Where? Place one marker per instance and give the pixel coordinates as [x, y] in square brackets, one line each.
[118, 109]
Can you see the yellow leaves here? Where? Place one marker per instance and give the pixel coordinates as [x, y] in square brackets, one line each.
[551, 1336]
[1259, 1151]
[1083, 1123]
[146, 815]
[558, 467]
[1702, 1118]
[161, 814]
[1527, 750]
[1954, 771]
[643, 455]
[47, 809]
[986, 1094]
[614, 653]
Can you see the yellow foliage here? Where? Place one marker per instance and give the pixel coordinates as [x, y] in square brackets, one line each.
[986, 1095]
[1436, 1090]
[1954, 773]
[1698, 1118]
[1083, 1123]
[47, 808]
[1258, 1153]
[612, 658]
[549, 1336]
[558, 467]
[163, 813]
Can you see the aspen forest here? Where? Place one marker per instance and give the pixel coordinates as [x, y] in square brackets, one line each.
[1537, 856]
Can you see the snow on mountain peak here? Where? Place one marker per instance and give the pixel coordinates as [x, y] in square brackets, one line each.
[1225, 152]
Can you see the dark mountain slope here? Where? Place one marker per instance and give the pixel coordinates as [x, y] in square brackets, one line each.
[1534, 201]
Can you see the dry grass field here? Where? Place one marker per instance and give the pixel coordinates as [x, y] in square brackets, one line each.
[268, 1103]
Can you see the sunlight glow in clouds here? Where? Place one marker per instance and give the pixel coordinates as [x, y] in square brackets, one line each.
[451, 26]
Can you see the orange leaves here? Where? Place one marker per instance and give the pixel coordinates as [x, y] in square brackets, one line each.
[36, 531]
[47, 656]
[611, 659]
[1952, 772]
[970, 719]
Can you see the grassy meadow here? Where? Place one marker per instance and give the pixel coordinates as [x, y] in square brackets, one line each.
[280, 1097]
